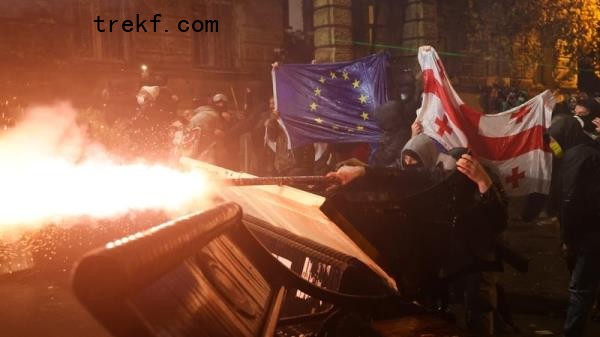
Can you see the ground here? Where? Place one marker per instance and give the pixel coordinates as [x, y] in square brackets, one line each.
[32, 305]
[539, 298]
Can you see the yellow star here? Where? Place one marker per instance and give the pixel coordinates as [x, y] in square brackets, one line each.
[364, 116]
[363, 99]
[317, 91]
[345, 75]
[356, 84]
[360, 127]
[332, 74]
[319, 120]
[313, 106]
[322, 79]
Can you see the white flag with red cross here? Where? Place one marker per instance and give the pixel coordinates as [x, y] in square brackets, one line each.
[510, 142]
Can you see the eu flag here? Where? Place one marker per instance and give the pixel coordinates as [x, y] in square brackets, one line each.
[332, 102]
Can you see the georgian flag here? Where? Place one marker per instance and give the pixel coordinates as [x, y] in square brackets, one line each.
[510, 142]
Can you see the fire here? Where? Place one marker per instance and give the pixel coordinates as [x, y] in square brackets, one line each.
[50, 172]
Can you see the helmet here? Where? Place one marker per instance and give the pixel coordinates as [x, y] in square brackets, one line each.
[219, 98]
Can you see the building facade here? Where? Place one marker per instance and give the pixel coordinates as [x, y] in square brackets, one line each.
[53, 49]
[346, 29]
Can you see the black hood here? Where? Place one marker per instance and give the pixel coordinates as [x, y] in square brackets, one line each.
[568, 133]
[390, 116]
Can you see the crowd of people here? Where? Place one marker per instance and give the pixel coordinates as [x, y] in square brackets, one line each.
[573, 138]
[497, 98]
[252, 138]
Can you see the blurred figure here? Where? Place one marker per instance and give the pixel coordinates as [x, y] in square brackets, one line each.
[586, 111]
[150, 127]
[476, 230]
[579, 216]
[197, 140]
[287, 162]
[264, 157]
[395, 122]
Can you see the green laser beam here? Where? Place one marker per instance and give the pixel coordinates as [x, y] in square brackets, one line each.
[455, 54]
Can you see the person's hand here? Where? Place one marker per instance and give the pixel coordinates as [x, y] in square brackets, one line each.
[596, 122]
[416, 128]
[471, 167]
[275, 65]
[346, 174]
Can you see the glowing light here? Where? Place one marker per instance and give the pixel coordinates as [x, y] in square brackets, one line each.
[144, 67]
[49, 172]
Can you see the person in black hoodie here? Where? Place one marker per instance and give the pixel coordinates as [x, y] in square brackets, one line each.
[579, 216]
[395, 123]
[480, 218]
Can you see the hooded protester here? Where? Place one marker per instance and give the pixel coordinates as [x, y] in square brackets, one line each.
[408, 92]
[421, 151]
[481, 216]
[579, 216]
[586, 111]
[394, 123]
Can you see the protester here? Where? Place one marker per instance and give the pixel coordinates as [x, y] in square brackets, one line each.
[586, 111]
[263, 156]
[201, 134]
[288, 162]
[479, 227]
[579, 217]
[150, 127]
[395, 123]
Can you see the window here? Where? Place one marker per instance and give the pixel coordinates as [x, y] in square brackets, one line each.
[88, 43]
[364, 24]
[216, 50]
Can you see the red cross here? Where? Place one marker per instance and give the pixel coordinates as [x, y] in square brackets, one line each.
[443, 126]
[515, 177]
[519, 114]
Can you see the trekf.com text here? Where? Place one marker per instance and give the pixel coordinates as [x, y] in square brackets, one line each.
[152, 25]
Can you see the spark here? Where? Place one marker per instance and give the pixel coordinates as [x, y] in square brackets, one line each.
[50, 171]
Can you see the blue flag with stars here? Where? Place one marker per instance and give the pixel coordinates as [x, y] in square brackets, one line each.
[333, 102]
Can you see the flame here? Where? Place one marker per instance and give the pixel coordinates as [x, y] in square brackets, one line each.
[50, 171]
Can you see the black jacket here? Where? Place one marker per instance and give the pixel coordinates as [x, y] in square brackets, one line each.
[479, 219]
[392, 119]
[579, 188]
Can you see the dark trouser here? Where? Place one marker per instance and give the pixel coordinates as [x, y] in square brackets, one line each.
[585, 279]
[480, 302]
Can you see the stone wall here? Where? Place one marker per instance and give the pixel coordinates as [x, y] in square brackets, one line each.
[333, 30]
[53, 52]
[473, 59]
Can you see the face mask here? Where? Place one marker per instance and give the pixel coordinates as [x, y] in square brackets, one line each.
[588, 124]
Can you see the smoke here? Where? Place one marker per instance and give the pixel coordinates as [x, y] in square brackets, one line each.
[52, 172]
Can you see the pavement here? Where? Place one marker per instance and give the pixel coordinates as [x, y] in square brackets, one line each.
[539, 298]
[37, 302]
